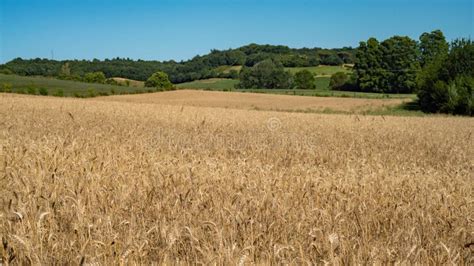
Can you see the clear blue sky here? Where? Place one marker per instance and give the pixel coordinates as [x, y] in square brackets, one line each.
[180, 29]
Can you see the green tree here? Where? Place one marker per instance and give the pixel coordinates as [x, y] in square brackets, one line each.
[368, 67]
[95, 77]
[305, 80]
[400, 65]
[338, 81]
[432, 45]
[390, 66]
[446, 84]
[332, 60]
[159, 80]
[460, 61]
[267, 74]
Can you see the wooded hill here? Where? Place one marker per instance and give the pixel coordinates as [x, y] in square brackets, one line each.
[199, 67]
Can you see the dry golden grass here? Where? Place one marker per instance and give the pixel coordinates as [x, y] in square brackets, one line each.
[89, 181]
[131, 82]
[260, 101]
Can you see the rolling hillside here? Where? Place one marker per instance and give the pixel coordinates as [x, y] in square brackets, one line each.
[22, 84]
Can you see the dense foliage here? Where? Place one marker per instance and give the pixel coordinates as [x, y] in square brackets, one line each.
[339, 81]
[446, 84]
[389, 67]
[200, 67]
[267, 74]
[442, 75]
[95, 77]
[432, 45]
[159, 80]
[305, 80]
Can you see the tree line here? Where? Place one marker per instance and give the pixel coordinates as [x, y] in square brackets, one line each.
[441, 73]
[271, 74]
[199, 67]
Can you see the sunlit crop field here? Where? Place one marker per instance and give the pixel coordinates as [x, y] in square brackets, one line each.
[259, 101]
[90, 181]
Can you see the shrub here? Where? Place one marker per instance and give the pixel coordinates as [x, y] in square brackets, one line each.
[446, 84]
[95, 77]
[31, 90]
[338, 80]
[305, 80]
[59, 93]
[43, 91]
[91, 92]
[159, 80]
[458, 96]
[6, 87]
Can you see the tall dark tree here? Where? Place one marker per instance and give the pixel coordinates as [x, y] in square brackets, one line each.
[460, 61]
[390, 66]
[446, 84]
[400, 64]
[368, 67]
[432, 46]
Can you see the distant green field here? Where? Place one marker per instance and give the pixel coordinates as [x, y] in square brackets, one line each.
[322, 83]
[321, 70]
[21, 84]
[211, 84]
[317, 70]
[322, 89]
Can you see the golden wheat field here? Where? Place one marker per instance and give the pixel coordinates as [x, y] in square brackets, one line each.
[259, 101]
[105, 182]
